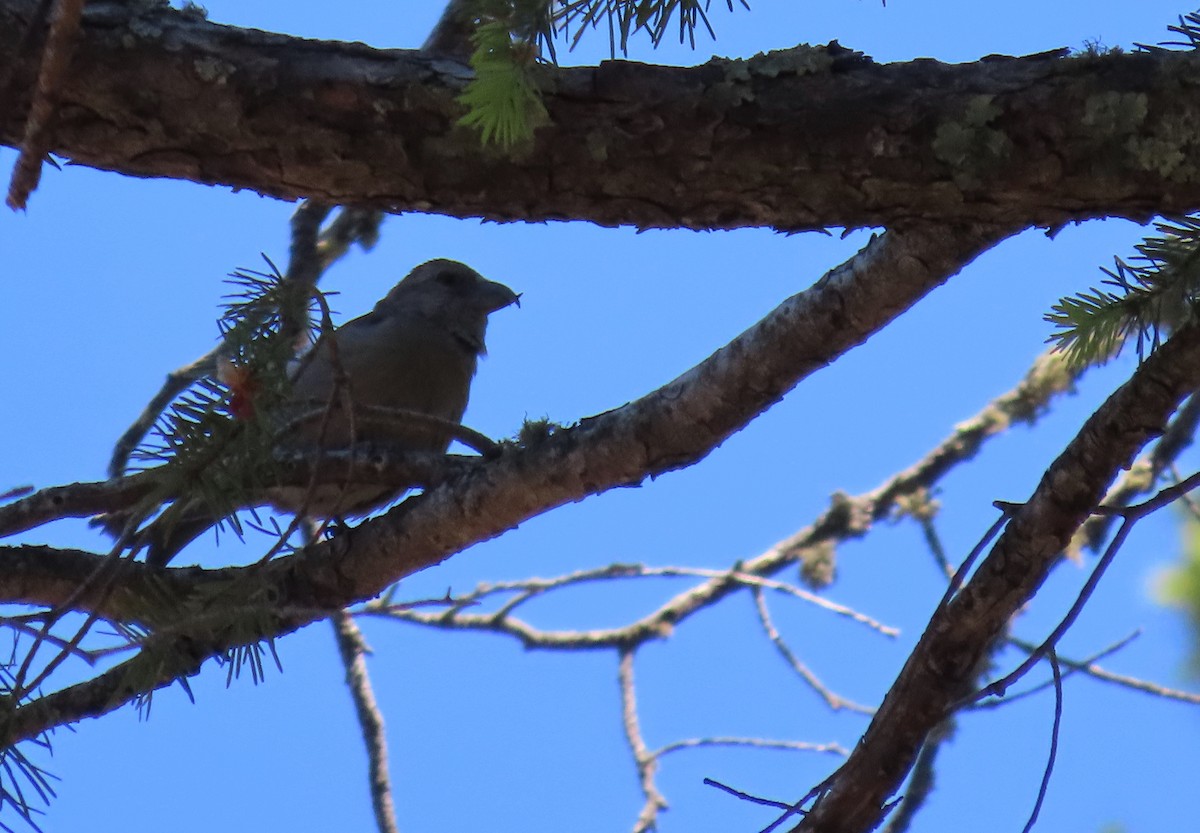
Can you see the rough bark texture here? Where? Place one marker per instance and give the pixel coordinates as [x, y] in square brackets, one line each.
[803, 138]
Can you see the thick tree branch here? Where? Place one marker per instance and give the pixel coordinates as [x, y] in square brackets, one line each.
[943, 667]
[803, 138]
[668, 429]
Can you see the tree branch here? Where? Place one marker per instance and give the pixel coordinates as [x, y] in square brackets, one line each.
[645, 760]
[942, 667]
[668, 429]
[804, 138]
[352, 647]
[1141, 476]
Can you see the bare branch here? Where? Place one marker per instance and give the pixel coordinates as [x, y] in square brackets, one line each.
[502, 621]
[76, 500]
[352, 648]
[350, 227]
[848, 517]
[752, 743]
[1058, 703]
[745, 796]
[645, 760]
[1090, 668]
[1136, 684]
[834, 701]
[304, 269]
[922, 781]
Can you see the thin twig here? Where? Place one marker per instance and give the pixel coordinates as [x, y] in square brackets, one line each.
[1189, 503]
[960, 575]
[1088, 666]
[1143, 686]
[40, 632]
[752, 743]
[934, 542]
[1073, 666]
[834, 701]
[645, 761]
[797, 808]
[647, 628]
[102, 580]
[502, 622]
[745, 796]
[352, 648]
[1054, 732]
[1143, 474]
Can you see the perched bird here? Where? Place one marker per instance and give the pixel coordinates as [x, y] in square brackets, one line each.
[416, 350]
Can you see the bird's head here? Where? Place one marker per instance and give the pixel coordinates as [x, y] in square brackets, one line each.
[453, 295]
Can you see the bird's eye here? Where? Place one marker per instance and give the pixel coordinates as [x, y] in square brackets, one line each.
[447, 278]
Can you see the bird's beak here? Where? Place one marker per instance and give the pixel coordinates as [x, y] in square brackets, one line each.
[494, 296]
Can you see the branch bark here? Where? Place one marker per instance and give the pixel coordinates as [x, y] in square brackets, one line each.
[810, 137]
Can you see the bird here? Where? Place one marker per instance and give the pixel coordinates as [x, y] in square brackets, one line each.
[417, 351]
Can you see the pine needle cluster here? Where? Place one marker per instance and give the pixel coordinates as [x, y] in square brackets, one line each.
[625, 18]
[24, 784]
[503, 100]
[1143, 298]
[1151, 294]
[1188, 29]
[513, 36]
[215, 442]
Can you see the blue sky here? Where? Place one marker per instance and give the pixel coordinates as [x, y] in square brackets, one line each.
[116, 281]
